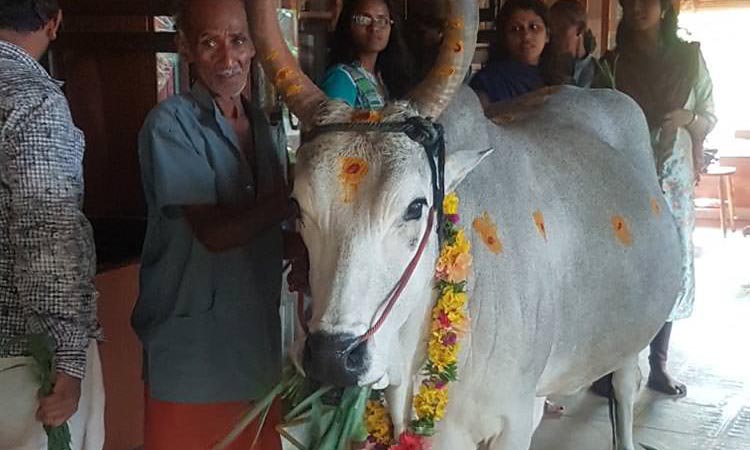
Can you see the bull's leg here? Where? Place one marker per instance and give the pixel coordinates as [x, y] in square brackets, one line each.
[453, 435]
[519, 425]
[539, 408]
[458, 431]
[625, 383]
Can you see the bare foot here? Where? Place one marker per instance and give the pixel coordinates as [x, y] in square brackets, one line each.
[660, 381]
[553, 410]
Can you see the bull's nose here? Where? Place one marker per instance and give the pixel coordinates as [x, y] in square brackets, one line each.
[337, 359]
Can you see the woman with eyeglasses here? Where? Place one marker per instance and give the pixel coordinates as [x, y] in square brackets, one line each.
[370, 63]
[518, 54]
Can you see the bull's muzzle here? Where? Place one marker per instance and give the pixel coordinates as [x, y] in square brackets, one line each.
[336, 359]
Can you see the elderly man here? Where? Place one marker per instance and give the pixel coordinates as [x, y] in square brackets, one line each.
[213, 174]
[47, 261]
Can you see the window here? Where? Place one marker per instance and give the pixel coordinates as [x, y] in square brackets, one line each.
[724, 34]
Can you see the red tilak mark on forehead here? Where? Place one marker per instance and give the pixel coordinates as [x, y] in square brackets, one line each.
[353, 168]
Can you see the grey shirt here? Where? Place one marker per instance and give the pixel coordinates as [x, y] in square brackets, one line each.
[47, 259]
[209, 322]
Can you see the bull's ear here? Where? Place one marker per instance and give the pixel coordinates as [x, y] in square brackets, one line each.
[459, 164]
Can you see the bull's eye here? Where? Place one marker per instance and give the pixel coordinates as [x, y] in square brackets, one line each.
[414, 211]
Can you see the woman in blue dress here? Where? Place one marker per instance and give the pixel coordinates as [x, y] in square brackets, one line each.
[518, 55]
[369, 59]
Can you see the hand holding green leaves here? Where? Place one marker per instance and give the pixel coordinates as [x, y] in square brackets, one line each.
[58, 406]
[58, 396]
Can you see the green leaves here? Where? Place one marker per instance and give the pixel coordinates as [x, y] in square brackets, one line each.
[447, 375]
[450, 230]
[40, 349]
[58, 438]
[423, 427]
[329, 427]
[342, 424]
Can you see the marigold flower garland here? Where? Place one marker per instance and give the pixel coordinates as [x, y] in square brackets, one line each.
[449, 323]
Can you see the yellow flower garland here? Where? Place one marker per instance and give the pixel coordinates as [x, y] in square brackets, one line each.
[378, 422]
[449, 323]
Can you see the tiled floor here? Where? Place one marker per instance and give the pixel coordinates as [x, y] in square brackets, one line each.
[708, 352]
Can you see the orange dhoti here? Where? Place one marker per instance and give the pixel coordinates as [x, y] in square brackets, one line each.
[200, 426]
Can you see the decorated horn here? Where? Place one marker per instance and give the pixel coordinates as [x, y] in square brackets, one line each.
[433, 94]
[298, 91]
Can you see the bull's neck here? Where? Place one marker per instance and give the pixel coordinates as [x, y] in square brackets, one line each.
[414, 353]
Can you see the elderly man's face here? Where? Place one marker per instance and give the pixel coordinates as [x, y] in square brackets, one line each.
[217, 42]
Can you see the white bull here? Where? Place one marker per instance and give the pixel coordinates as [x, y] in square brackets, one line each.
[589, 267]
[560, 306]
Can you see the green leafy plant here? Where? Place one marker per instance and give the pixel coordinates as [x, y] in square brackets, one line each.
[335, 417]
[39, 348]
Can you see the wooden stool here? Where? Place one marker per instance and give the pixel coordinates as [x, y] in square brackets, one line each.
[726, 194]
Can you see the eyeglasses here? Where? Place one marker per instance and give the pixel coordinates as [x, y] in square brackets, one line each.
[366, 21]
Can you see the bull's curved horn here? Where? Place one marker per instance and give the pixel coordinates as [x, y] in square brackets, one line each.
[301, 95]
[433, 94]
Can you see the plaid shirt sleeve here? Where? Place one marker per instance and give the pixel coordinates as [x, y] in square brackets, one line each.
[50, 236]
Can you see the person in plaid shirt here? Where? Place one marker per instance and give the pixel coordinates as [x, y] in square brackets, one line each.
[47, 259]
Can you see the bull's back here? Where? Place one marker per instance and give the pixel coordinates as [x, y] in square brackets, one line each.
[589, 267]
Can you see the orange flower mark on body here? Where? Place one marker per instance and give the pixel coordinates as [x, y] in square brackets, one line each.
[488, 232]
[540, 226]
[353, 171]
[655, 207]
[366, 116]
[446, 71]
[456, 24]
[293, 90]
[622, 231]
[283, 74]
[273, 55]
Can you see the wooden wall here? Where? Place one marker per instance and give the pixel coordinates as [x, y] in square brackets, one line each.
[111, 85]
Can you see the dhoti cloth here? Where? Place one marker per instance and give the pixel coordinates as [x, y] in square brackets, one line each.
[19, 401]
[200, 426]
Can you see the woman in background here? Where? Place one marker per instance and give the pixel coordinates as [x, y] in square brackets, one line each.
[370, 62]
[668, 78]
[573, 44]
[518, 54]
